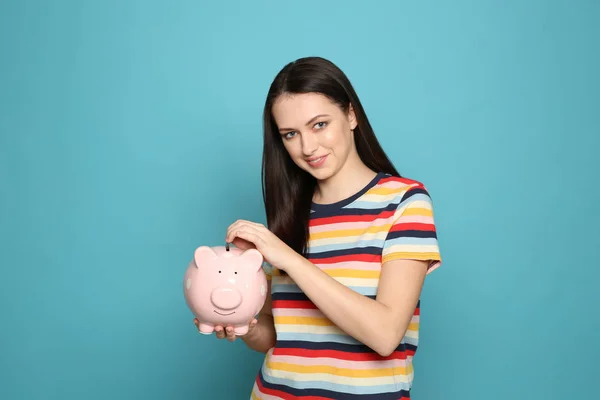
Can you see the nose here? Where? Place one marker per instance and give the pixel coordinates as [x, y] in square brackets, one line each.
[309, 144]
[226, 298]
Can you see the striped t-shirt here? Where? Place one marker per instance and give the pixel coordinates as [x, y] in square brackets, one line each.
[390, 218]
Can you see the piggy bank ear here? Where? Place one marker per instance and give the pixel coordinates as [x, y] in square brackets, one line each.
[253, 257]
[202, 254]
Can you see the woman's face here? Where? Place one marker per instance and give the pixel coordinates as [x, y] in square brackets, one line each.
[316, 132]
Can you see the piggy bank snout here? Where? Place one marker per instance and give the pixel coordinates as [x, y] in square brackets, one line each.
[226, 298]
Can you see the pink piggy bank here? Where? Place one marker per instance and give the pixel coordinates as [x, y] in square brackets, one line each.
[225, 287]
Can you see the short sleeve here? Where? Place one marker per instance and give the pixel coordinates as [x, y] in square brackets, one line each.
[413, 233]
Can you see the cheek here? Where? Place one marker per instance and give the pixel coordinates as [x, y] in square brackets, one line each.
[334, 139]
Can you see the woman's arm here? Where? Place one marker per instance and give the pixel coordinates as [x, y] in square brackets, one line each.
[381, 323]
[262, 337]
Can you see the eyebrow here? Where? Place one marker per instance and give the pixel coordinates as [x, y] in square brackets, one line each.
[308, 123]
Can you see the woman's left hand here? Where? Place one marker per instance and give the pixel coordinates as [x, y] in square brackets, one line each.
[273, 249]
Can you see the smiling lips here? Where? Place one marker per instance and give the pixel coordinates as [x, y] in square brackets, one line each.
[316, 161]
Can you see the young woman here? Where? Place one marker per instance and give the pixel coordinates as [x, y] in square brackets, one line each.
[348, 245]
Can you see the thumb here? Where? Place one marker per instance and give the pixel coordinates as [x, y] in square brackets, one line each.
[243, 244]
[252, 324]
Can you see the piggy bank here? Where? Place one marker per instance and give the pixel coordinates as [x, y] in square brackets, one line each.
[225, 286]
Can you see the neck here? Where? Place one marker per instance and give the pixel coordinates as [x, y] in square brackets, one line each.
[347, 181]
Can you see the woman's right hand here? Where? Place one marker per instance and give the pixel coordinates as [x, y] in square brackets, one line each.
[226, 332]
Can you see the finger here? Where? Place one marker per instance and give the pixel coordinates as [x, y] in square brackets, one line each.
[245, 221]
[230, 334]
[230, 235]
[239, 224]
[234, 226]
[219, 332]
[250, 236]
[253, 224]
[243, 234]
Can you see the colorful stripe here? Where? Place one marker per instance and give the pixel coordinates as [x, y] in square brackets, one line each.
[390, 218]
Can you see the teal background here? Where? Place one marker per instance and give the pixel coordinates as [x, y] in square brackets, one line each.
[130, 133]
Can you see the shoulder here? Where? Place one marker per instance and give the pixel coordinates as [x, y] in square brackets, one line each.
[400, 190]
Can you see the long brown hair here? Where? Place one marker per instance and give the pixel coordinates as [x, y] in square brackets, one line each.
[287, 189]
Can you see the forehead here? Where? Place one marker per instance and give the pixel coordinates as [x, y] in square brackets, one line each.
[298, 109]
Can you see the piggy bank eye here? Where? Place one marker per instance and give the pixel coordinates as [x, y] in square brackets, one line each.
[219, 271]
[235, 272]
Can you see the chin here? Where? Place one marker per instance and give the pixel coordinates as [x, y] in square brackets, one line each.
[320, 173]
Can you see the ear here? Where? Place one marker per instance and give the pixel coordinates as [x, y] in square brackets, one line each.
[253, 257]
[202, 254]
[352, 117]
